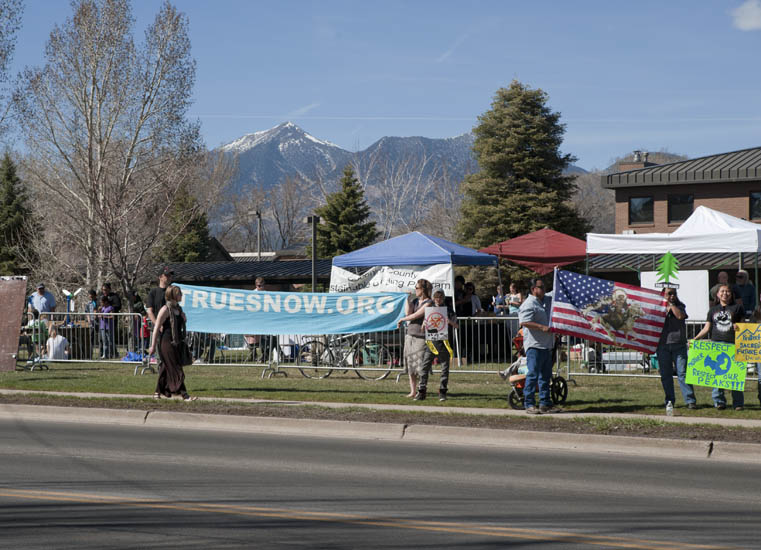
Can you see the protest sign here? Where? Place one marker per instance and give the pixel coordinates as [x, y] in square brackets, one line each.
[748, 342]
[436, 323]
[713, 364]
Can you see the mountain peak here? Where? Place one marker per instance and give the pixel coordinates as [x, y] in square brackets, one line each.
[284, 130]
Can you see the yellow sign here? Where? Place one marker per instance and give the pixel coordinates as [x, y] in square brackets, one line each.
[748, 342]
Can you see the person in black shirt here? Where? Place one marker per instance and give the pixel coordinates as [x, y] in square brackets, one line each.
[721, 324]
[672, 350]
[156, 298]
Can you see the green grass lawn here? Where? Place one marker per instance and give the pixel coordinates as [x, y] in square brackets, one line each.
[588, 394]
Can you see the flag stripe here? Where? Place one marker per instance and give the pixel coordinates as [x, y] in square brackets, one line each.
[609, 304]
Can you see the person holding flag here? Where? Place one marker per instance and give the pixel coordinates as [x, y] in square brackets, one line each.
[672, 351]
[538, 341]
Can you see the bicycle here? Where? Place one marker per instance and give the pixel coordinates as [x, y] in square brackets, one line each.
[318, 358]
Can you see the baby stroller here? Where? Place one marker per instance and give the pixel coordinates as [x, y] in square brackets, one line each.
[558, 385]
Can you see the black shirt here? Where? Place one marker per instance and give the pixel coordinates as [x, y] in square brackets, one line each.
[156, 300]
[115, 301]
[674, 330]
[722, 318]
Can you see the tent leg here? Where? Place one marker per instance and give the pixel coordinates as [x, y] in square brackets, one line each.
[586, 268]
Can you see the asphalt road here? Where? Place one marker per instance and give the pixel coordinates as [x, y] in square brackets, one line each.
[83, 486]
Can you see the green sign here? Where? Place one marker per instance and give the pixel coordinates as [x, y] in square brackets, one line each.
[713, 364]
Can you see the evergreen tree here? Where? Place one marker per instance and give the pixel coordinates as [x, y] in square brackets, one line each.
[15, 220]
[189, 227]
[520, 186]
[344, 220]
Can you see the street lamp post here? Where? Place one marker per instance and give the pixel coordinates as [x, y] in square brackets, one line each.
[258, 235]
[314, 220]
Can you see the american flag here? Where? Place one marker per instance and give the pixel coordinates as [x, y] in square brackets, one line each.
[613, 313]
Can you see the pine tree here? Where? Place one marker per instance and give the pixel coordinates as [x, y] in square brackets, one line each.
[344, 219]
[15, 220]
[191, 235]
[520, 186]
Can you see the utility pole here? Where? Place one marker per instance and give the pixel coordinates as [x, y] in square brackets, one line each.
[314, 220]
[258, 235]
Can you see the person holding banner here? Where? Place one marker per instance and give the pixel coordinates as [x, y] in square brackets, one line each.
[439, 349]
[721, 324]
[414, 341]
[672, 351]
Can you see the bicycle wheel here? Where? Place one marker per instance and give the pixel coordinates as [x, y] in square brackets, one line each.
[558, 390]
[516, 401]
[315, 360]
[372, 355]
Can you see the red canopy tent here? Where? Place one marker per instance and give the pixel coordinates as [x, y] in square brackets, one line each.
[541, 250]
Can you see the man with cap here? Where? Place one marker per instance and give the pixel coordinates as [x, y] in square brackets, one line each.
[42, 300]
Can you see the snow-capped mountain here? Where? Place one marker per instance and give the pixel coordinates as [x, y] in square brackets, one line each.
[266, 158]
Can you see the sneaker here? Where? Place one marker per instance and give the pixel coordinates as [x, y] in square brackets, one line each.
[550, 410]
[692, 406]
[442, 397]
[739, 408]
[721, 406]
[532, 410]
[419, 396]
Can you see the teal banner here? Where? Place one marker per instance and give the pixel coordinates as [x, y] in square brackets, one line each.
[223, 310]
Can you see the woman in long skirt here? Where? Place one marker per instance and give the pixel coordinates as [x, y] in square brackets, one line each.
[170, 332]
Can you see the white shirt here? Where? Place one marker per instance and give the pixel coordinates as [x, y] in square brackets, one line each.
[57, 346]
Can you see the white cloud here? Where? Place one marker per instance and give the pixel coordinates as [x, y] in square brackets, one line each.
[301, 111]
[747, 16]
[453, 47]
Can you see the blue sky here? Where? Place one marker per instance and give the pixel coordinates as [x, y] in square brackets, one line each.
[679, 75]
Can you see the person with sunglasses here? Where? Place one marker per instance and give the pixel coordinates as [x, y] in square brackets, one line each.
[746, 292]
[672, 351]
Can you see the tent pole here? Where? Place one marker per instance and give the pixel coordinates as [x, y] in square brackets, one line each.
[586, 269]
[456, 330]
[756, 277]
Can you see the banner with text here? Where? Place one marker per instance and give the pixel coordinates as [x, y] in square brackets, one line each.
[232, 311]
[748, 342]
[713, 364]
[435, 322]
[392, 278]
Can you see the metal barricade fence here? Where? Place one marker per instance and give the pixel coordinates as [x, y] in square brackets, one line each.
[101, 337]
[586, 358]
[485, 345]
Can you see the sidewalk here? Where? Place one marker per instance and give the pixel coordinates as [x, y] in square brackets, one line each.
[658, 448]
[740, 422]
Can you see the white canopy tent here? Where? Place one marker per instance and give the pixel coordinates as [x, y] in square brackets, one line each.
[706, 230]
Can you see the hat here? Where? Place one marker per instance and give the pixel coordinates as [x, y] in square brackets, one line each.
[40, 285]
[166, 271]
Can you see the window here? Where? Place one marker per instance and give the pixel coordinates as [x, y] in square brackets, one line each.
[640, 210]
[680, 207]
[755, 205]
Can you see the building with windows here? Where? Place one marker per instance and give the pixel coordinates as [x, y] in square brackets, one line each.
[654, 198]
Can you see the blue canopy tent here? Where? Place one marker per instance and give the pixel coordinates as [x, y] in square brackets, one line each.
[414, 249]
[417, 249]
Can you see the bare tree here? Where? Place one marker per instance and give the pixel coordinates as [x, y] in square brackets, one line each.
[10, 21]
[106, 123]
[595, 204]
[289, 202]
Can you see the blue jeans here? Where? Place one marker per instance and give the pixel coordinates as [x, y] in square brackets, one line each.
[668, 356]
[539, 370]
[738, 398]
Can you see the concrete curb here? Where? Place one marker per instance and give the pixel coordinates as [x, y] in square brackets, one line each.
[269, 425]
[416, 433]
[560, 441]
[130, 417]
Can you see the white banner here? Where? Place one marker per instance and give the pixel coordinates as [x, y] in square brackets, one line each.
[392, 279]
